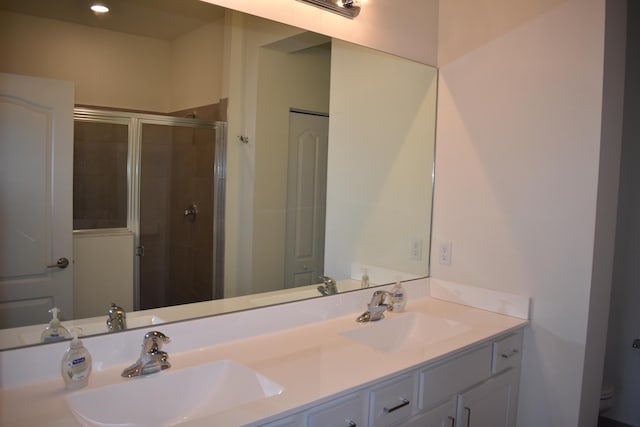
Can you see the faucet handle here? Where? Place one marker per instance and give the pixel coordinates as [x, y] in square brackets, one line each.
[380, 299]
[153, 341]
[327, 280]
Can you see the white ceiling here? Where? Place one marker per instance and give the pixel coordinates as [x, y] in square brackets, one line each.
[161, 19]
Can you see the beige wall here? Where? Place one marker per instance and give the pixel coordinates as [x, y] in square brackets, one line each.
[408, 28]
[246, 34]
[379, 177]
[196, 67]
[286, 80]
[517, 168]
[128, 78]
[113, 69]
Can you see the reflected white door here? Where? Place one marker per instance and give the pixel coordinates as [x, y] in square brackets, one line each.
[36, 179]
[306, 198]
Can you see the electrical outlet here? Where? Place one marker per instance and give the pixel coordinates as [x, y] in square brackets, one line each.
[445, 253]
[416, 249]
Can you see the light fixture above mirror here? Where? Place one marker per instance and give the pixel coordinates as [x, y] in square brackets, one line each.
[346, 8]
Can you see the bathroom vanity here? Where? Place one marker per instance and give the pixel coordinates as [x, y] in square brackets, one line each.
[475, 387]
[307, 363]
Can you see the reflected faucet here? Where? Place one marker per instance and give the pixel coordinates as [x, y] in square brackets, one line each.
[117, 320]
[380, 302]
[152, 359]
[328, 287]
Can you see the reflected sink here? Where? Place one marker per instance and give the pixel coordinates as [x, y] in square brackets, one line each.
[172, 396]
[406, 331]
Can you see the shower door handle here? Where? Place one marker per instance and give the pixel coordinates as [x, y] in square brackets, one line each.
[191, 212]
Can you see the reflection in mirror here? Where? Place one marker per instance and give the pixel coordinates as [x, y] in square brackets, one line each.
[327, 169]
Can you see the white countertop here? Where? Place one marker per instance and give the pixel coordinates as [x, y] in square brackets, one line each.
[311, 362]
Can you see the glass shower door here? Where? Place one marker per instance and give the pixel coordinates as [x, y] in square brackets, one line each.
[176, 211]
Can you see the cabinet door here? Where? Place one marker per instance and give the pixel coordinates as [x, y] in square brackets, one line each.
[440, 416]
[492, 403]
[346, 412]
[392, 402]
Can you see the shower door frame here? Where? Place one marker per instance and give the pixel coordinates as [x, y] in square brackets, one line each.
[135, 121]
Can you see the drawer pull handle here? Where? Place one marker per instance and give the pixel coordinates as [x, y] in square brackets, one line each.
[507, 356]
[351, 423]
[453, 421]
[404, 402]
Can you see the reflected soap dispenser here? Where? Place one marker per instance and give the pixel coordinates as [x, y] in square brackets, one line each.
[364, 283]
[75, 366]
[54, 331]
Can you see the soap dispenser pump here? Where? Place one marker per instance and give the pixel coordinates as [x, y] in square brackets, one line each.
[75, 366]
[54, 331]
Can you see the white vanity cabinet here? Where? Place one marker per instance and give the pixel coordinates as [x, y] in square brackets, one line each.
[474, 388]
[477, 388]
[489, 404]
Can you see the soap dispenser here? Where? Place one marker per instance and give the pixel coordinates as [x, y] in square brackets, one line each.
[398, 297]
[54, 331]
[75, 366]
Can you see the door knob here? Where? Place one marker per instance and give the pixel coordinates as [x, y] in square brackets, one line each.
[60, 263]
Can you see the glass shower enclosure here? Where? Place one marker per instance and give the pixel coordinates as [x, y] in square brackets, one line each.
[162, 179]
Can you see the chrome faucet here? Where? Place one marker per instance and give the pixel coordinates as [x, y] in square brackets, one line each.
[328, 287]
[117, 320]
[152, 359]
[380, 302]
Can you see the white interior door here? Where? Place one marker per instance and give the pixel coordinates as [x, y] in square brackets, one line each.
[306, 198]
[36, 179]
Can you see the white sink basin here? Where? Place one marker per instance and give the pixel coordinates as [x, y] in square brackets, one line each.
[171, 396]
[406, 331]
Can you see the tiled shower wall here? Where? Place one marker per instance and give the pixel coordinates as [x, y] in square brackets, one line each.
[100, 175]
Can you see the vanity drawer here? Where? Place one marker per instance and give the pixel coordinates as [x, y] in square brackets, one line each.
[439, 383]
[349, 411]
[292, 421]
[507, 352]
[392, 402]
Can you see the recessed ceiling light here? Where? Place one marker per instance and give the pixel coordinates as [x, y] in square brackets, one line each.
[99, 8]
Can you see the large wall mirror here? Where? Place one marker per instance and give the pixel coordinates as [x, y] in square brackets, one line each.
[316, 153]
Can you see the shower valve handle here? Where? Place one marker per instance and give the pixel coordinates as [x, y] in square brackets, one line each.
[636, 343]
[191, 212]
